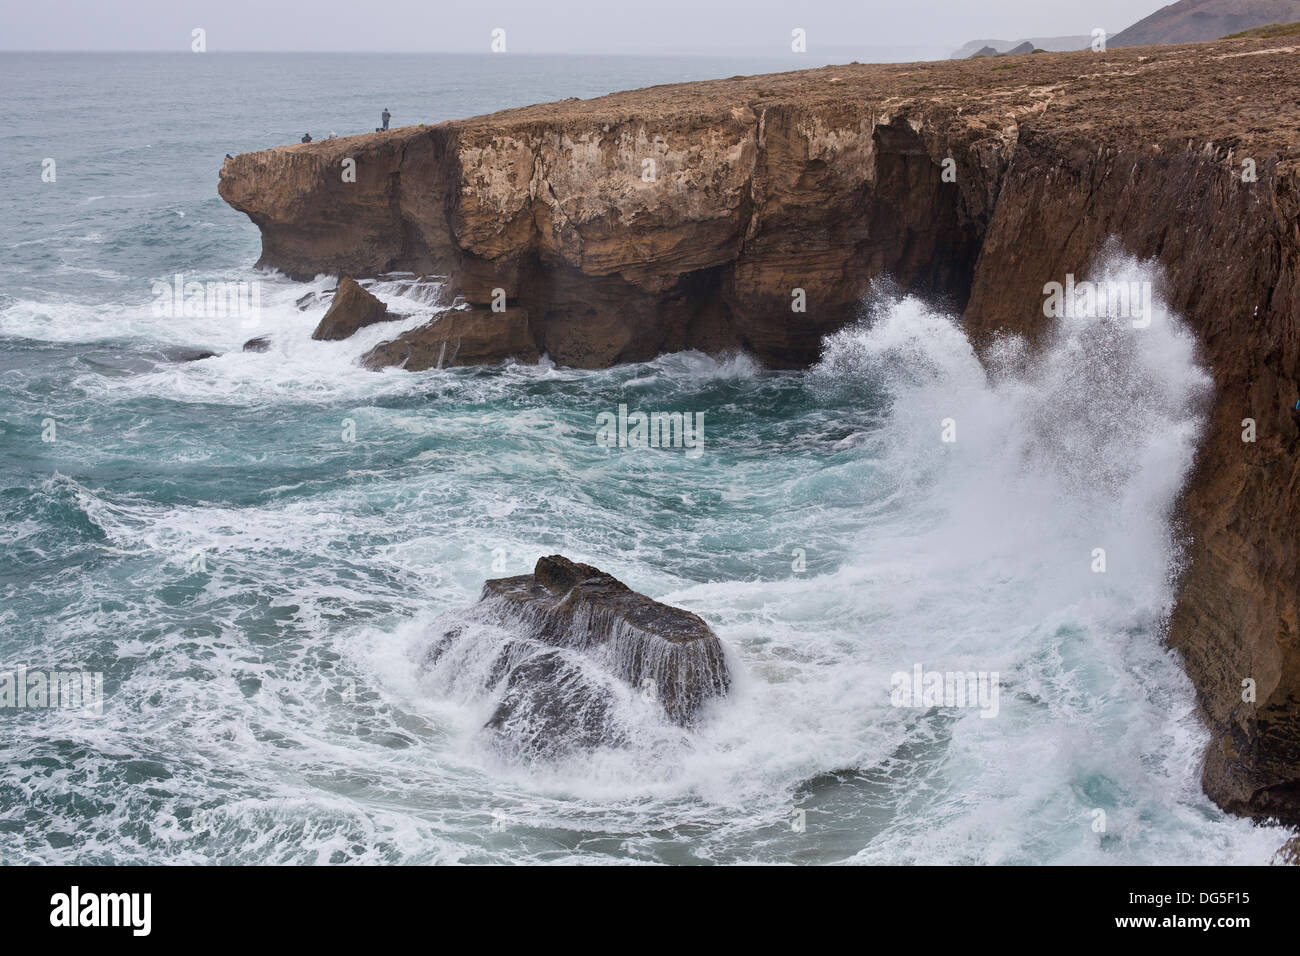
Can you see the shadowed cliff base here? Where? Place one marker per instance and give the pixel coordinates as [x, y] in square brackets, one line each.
[700, 216]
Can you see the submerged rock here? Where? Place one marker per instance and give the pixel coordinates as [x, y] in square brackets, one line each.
[352, 308]
[573, 646]
[260, 344]
[190, 355]
[305, 302]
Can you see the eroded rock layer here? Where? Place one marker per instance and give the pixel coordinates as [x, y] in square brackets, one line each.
[701, 215]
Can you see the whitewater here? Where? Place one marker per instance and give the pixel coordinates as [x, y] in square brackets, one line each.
[260, 591]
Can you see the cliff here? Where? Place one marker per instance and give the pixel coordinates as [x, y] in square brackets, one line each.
[822, 180]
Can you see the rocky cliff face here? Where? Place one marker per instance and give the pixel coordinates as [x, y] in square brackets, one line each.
[700, 215]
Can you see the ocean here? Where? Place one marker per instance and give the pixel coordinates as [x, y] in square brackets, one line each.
[256, 550]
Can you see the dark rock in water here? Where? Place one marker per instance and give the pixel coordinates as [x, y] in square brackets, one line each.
[353, 308]
[190, 355]
[569, 648]
[664, 650]
[474, 336]
[550, 708]
[260, 344]
[305, 302]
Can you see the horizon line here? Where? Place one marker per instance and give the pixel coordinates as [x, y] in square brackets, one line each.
[692, 52]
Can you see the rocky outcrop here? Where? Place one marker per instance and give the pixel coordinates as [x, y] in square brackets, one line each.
[668, 652]
[473, 336]
[352, 308]
[1058, 44]
[573, 640]
[702, 215]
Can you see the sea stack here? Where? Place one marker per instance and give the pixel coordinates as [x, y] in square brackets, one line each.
[575, 635]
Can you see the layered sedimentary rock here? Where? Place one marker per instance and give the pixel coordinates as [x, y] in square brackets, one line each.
[566, 642]
[704, 215]
[716, 216]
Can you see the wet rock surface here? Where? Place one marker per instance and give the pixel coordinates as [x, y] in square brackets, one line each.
[459, 337]
[351, 308]
[571, 646]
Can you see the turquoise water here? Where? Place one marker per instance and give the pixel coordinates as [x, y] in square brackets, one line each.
[258, 589]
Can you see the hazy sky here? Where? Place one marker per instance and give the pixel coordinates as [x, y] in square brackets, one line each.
[753, 27]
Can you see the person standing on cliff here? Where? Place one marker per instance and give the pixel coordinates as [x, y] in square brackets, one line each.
[386, 116]
[306, 137]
